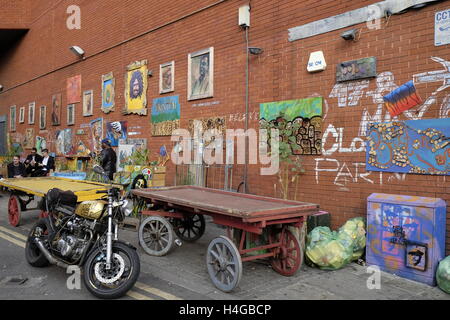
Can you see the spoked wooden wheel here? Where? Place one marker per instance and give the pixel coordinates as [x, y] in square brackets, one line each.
[224, 263]
[14, 211]
[289, 256]
[156, 236]
[190, 228]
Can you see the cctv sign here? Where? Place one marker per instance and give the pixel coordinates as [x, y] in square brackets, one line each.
[442, 28]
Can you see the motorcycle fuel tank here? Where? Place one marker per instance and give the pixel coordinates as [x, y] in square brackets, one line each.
[90, 209]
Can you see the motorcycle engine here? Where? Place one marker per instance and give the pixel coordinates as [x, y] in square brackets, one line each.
[73, 238]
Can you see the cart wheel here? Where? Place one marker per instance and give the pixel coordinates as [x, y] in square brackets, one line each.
[156, 236]
[190, 228]
[224, 263]
[14, 211]
[43, 214]
[289, 257]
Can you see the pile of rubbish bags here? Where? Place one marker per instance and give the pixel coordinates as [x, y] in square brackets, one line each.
[443, 275]
[331, 250]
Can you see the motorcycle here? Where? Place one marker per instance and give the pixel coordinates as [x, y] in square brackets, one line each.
[86, 235]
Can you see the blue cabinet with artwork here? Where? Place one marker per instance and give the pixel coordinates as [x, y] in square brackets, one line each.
[406, 235]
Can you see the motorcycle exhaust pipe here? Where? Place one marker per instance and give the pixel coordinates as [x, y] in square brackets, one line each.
[48, 256]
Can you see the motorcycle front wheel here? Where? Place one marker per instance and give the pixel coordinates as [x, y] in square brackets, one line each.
[115, 282]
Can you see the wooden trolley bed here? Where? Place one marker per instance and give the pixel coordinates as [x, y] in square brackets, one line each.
[249, 219]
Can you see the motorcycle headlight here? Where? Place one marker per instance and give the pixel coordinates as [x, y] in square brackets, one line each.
[127, 207]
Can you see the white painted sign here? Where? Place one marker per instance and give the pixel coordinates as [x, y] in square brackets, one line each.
[316, 62]
[442, 28]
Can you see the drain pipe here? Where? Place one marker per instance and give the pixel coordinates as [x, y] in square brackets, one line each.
[246, 111]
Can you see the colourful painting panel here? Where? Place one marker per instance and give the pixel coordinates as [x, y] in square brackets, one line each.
[305, 112]
[74, 89]
[96, 126]
[165, 116]
[136, 88]
[116, 130]
[401, 99]
[412, 146]
[108, 93]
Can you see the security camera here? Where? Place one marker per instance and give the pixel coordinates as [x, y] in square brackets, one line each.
[254, 50]
[77, 51]
[349, 34]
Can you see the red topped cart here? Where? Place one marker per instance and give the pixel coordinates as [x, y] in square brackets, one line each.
[180, 210]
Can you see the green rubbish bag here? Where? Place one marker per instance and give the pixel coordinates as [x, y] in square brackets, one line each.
[327, 250]
[443, 275]
[355, 228]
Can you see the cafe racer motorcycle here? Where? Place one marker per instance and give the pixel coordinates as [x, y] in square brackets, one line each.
[86, 235]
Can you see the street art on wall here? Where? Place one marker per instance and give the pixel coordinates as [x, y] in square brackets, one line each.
[401, 99]
[56, 109]
[307, 113]
[126, 149]
[96, 127]
[136, 88]
[31, 107]
[165, 116]
[356, 69]
[12, 118]
[41, 144]
[201, 74]
[71, 114]
[22, 115]
[116, 130]
[88, 103]
[42, 117]
[412, 146]
[199, 126]
[166, 77]
[28, 140]
[108, 95]
[64, 144]
[73, 89]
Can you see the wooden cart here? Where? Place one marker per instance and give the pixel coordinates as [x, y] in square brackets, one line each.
[257, 227]
[23, 190]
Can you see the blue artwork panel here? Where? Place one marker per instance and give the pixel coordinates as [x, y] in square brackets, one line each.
[412, 146]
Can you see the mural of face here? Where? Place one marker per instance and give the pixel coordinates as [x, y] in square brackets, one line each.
[136, 85]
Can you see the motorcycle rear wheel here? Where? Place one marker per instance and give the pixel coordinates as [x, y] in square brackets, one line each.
[33, 254]
[108, 286]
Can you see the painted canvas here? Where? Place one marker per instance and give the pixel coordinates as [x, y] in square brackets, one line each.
[306, 114]
[64, 142]
[108, 95]
[356, 69]
[203, 124]
[401, 99]
[41, 143]
[28, 140]
[71, 114]
[12, 118]
[56, 109]
[116, 130]
[88, 103]
[22, 115]
[165, 116]
[166, 77]
[42, 117]
[73, 89]
[201, 74]
[31, 109]
[96, 126]
[412, 146]
[126, 148]
[136, 88]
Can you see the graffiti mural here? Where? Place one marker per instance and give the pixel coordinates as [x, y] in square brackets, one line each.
[165, 116]
[307, 113]
[96, 134]
[412, 146]
[199, 126]
[116, 130]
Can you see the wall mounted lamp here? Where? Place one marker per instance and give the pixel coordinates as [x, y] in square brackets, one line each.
[77, 51]
[255, 50]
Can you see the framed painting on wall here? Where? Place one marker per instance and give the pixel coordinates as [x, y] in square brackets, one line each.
[22, 115]
[108, 85]
[166, 77]
[201, 74]
[88, 102]
[136, 88]
[31, 107]
[56, 109]
[71, 114]
[12, 118]
[74, 89]
[28, 142]
[42, 117]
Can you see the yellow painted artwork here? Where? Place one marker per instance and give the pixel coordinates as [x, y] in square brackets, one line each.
[136, 88]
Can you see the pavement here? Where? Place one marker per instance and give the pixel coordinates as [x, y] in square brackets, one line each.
[182, 275]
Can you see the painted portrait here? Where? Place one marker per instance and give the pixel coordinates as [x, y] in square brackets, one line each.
[31, 107]
[71, 114]
[200, 74]
[56, 109]
[108, 84]
[74, 89]
[42, 117]
[136, 88]
[97, 134]
[166, 77]
[116, 130]
[28, 141]
[22, 115]
[12, 118]
[88, 102]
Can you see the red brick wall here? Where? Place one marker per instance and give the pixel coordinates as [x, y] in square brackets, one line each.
[403, 47]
